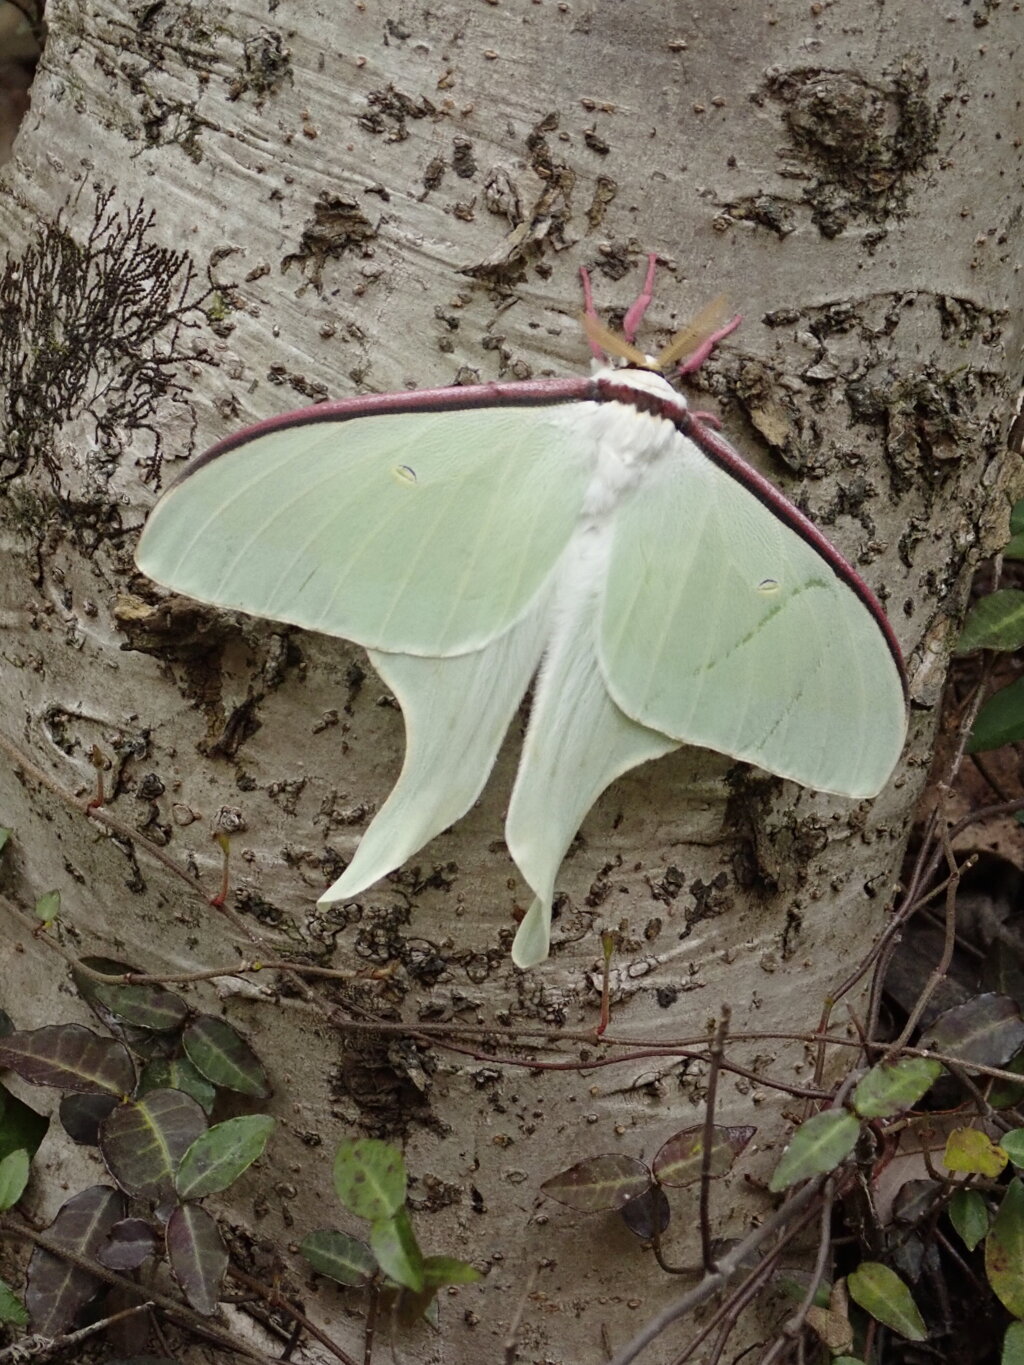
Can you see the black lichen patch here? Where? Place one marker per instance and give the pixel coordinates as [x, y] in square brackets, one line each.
[533, 228]
[306, 388]
[669, 887]
[338, 225]
[931, 420]
[433, 175]
[774, 412]
[390, 112]
[163, 27]
[864, 141]
[710, 899]
[389, 1080]
[930, 417]
[249, 902]
[170, 627]
[463, 161]
[615, 260]
[765, 210]
[266, 66]
[184, 29]
[605, 190]
[89, 329]
[172, 123]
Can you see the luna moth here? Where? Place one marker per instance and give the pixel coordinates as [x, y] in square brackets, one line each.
[592, 534]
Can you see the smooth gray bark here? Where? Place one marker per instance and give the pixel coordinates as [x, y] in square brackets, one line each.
[384, 196]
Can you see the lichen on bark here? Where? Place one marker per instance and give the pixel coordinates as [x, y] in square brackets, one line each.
[90, 329]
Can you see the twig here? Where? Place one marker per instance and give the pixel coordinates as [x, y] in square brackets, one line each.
[788, 1219]
[179, 1312]
[716, 1051]
[986, 813]
[39, 1347]
[927, 858]
[728, 1266]
[949, 943]
[277, 1300]
[84, 807]
[370, 1328]
[728, 1315]
[510, 1344]
[795, 1324]
[724, 1319]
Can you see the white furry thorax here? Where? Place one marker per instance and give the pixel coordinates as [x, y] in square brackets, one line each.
[626, 442]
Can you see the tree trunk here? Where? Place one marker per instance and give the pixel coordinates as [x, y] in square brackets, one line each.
[258, 209]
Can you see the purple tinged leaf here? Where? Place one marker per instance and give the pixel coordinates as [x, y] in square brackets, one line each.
[679, 1161]
[87, 986]
[131, 1241]
[81, 1116]
[599, 1182]
[987, 1030]
[197, 1255]
[224, 1057]
[143, 1006]
[69, 1057]
[56, 1291]
[641, 1214]
[143, 1141]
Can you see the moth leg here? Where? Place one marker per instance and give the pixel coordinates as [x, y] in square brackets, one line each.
[693, 362]
[605, 344]
[637, 309]
[709, 419]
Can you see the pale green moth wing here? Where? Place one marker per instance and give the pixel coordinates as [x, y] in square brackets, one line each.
[414, 531]
[578, 741]
[456, 712]
[728, 622]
